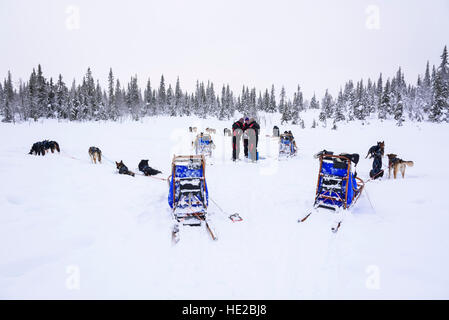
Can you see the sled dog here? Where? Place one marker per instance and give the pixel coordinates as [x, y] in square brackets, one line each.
[373, 149]
[43, 147]
[122, 169]
[51, 146]
[146, 169]
[396, 164]
[95, 154]
[37, 149]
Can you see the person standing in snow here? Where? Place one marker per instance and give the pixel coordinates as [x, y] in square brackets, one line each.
[252, 130]
[254, 125]
[237, 132]
[245, 137]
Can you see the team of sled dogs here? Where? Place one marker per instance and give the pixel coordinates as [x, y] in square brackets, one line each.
[226, 131]
[395, 164]
[42, 147]
[143, 167]
[208, 130]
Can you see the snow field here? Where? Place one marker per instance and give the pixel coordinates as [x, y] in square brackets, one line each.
[63, 218]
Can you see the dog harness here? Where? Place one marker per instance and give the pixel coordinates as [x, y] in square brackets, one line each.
[395, 160]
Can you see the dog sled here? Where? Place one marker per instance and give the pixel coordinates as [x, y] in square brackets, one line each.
[203, 145]
[188, 196]
[286, 146]
[338, 187]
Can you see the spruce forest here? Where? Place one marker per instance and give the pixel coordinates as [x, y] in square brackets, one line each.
[384, 98]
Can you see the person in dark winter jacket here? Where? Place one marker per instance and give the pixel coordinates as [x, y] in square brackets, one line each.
[245, 137]
[237, 132]
[254, 125]
[252, 130]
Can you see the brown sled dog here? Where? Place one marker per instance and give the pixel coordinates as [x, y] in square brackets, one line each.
[95, 153]
[122, 169]
[397, 164]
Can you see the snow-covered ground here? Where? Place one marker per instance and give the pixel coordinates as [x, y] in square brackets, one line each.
[70, 229]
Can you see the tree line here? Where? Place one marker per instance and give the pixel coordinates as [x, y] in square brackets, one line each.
[39, 97]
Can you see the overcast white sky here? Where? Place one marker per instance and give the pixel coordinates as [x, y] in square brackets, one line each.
[317, 44]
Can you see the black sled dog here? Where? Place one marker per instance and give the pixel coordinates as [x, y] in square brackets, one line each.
[377, 153]
[146, 169]
[40, 148]
[37, 149]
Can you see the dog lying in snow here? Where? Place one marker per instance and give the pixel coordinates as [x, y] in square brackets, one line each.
[95, 153]
[146, 169]
[396, 164]
[122, 169]
[211, 130]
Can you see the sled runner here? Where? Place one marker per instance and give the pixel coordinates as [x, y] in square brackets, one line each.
[188, 196]
[204, 145]
[338, 188]
[286, 146]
